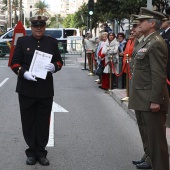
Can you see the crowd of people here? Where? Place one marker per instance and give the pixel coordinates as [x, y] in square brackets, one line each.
[106, 45]
[145, 57]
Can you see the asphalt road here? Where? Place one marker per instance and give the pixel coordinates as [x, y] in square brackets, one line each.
[95, 133]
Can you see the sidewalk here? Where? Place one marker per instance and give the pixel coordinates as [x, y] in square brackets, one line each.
[118, 94]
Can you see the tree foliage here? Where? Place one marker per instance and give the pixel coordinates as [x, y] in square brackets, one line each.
[55, 21]
[69, 22]
[41, 8]
[161, 4]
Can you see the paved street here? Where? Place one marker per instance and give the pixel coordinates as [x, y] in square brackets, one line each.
[95, 133]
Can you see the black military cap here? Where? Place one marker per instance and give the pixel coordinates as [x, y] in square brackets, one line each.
[38, 20]
[167, 14]
[148, 14]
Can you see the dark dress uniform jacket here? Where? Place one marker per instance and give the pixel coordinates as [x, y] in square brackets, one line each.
[22, 57]
[166, 37]
[149, 75]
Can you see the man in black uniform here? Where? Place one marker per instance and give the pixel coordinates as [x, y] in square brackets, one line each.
[35, 94]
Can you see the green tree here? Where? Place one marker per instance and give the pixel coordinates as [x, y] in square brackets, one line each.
[15, 8]
[41, 8]
[160, 4]
[80, 17]
[69, 22]
[55, 21]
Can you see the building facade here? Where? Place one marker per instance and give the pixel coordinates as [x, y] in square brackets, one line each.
[29, 8]
[70, 6]
[3, 17]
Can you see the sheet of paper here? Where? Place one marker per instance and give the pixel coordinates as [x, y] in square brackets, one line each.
[40, 59]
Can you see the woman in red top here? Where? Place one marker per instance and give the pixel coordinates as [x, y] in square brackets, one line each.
[129, 48]
[128, 51]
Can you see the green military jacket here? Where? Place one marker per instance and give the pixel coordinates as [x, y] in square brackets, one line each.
[149, 75]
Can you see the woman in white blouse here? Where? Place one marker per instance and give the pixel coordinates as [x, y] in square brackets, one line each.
[109, 48]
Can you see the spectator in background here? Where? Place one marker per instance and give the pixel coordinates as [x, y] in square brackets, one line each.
[90, 44]
[128, 51]
[109, 48]
[122, 45]
[106, 28]
[97, 40]
[103, 38]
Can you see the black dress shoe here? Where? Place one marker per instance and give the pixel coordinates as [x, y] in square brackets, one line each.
[31, 161]
[143, 165]
[137, 162]
[44, 161]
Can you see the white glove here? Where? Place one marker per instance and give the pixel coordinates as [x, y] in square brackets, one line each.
[50, 67]
[29, 76]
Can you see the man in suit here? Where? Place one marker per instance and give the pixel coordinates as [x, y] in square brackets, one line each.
[144, 162]
[149, 94]
[35, 94]
[166, 36]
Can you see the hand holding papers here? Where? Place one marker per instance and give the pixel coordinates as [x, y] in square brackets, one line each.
[50, 67]
[29, 76]
[39, 61]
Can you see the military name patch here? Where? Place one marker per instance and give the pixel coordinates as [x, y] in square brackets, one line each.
[142, 50]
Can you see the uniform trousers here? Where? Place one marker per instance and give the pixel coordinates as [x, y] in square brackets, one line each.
[35, 118]
[142, 131]
[156, 143]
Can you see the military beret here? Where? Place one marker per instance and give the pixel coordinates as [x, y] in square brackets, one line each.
[148, 14]
[38, 20]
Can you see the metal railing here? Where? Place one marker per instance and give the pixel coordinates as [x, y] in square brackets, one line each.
[67, 49]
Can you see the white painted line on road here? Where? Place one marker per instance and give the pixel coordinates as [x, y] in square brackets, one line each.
[55, 108]
[1, 84]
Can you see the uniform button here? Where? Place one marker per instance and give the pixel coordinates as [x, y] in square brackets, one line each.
[38, 42]
[38, 46]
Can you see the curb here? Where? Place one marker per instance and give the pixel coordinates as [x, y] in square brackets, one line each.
[114, 94]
